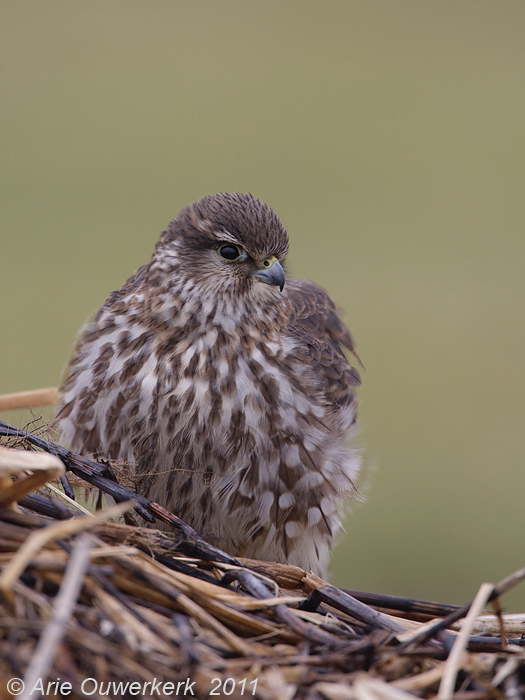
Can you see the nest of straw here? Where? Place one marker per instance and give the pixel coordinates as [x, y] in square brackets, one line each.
[93, 606]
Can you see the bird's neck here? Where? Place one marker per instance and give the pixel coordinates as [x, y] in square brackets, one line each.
[201, 307]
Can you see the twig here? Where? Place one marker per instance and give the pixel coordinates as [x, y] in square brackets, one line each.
[349, 605]
[344, 602]
[507, 583]
[428, 632]
[512, 689]
[258, 589]
[44, 504]
[62, 610]
[508, 668]
[40, 538]
[446, 687]
[28, 399]
[43, 467]
[71, 501]
[421, 680]
[403, 604]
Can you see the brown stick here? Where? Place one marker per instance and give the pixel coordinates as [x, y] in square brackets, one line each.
[403, 604]
[29, 399]
[65, 601]
[499, 589]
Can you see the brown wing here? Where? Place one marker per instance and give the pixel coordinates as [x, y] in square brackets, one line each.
[314, 321]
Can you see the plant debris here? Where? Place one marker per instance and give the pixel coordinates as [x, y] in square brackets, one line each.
[93, 606]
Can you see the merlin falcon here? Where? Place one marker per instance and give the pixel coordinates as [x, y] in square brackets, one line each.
[226, 384]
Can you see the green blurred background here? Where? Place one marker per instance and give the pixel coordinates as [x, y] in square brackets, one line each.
[389, 137]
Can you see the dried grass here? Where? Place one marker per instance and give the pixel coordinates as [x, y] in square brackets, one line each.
[87, 596]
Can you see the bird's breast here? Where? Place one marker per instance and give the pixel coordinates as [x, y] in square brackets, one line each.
[217, 380]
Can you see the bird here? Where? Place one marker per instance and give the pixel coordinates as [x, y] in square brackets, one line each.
[227, 384]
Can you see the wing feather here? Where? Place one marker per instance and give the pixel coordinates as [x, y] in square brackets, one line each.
[314, 322]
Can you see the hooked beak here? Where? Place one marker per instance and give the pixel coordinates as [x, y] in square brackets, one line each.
[272, 273]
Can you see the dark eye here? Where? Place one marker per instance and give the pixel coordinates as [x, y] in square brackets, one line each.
[230, 252]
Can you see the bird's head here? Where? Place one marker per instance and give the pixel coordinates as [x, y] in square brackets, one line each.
[231, 246]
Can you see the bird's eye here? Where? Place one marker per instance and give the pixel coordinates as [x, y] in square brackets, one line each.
[230, 252]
